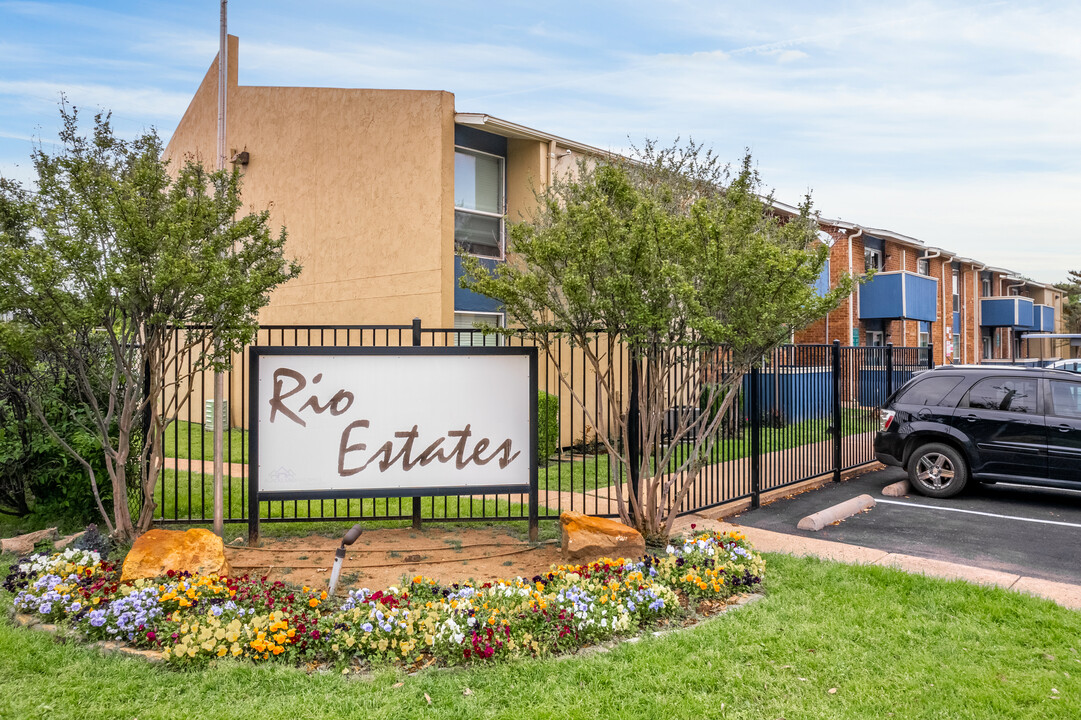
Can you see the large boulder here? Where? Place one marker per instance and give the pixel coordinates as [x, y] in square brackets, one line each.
[156, 552]
[587, 538]
[24, 544]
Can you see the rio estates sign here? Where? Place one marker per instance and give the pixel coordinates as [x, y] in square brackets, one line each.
[391, 422]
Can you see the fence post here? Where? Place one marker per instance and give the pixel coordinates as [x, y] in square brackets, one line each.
[930, 356]
[416, 500]
[147, 440]
[837, 461]
[889, 371]
[756, 437]
[634, 434]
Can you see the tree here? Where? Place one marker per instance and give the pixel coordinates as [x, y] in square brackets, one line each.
[1071, 309]
[100, 263]
[677, 261]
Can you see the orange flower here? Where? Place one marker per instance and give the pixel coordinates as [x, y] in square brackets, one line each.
[313, 602]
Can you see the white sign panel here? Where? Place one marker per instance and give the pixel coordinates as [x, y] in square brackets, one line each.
[393, 420]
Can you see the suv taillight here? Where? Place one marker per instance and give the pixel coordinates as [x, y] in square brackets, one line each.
[886, 418]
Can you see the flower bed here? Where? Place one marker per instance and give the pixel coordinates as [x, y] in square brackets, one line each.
[195, 619]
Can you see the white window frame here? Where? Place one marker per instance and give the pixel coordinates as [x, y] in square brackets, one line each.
[875, 338]
[986, 347]
[875, 258]
[500, 321]
[956, 290]
[924, 339]
[501, 216]
[985, 287]
[923, 267]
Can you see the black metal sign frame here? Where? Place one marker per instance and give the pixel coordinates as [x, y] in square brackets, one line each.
[255, 495]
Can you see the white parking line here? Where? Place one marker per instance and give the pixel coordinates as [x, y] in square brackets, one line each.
[977, 512]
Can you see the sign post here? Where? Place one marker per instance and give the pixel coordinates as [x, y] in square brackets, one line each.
[368, 422]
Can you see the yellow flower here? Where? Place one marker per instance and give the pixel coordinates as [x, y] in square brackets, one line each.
[222, 650]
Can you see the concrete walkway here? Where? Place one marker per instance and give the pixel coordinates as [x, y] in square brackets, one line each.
[769, 541]
[205, 467]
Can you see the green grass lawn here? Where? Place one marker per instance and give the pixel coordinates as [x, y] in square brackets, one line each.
[575, 475]
[188, 440]
[890, 644]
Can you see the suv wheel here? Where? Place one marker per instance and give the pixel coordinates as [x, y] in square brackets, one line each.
[937, 471]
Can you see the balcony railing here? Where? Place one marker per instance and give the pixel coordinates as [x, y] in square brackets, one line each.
[897, 295]
[1043, 318]
[1015, 312]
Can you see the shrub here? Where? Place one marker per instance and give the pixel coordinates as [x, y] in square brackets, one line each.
[547, 426]
[37, 476]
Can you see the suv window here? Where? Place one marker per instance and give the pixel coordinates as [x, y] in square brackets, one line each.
[1066, 399]
[929, 391]
[1010, 394]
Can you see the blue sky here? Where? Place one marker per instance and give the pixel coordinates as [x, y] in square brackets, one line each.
[958, 123]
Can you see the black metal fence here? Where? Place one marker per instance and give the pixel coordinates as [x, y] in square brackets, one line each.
[808, 411]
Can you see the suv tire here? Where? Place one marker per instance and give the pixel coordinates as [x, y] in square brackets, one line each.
[937, 470]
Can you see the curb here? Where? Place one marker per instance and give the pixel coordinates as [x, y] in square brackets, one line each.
[840, 511]
[1065, 594]
[897, 489]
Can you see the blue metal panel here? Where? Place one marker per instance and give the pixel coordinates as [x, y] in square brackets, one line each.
[872, 384]
[899, 295]
[1043, 318]
[469, 301]
[880, 297]
[794, 394]
[1015, 312]
[822, 284]
[921, 297]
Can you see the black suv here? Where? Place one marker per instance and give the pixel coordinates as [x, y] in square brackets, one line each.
[990, 424]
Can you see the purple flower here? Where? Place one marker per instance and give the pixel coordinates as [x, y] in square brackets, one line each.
[97, 618]
[366, 627]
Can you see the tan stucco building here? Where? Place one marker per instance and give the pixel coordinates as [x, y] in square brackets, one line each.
[365, 183]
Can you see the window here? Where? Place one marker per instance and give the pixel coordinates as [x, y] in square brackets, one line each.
[874, 338]
[478, 203]
[956, 290]
[985, 287]
[923, 266]
[929, 391]
[470, 335]
[925, 339]
[872, 259]
[986, 347]
[1065, 399]
[1004, 393]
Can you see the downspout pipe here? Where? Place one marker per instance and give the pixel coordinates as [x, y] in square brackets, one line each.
[949, 261]
[851, 309]
[977, 344]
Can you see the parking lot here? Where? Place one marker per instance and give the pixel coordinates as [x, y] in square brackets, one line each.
[1016, 529]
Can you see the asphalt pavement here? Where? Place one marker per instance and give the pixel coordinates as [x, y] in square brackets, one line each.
[1026, 531]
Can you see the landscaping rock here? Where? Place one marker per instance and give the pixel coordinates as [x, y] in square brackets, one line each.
[158, 551]
[24, 544]
[587, 538]
[68, 540]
